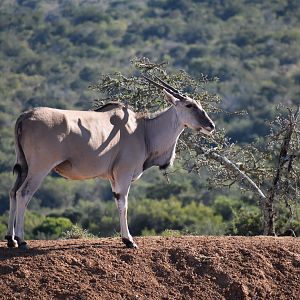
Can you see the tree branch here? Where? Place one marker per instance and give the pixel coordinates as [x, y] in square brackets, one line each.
[241, 177]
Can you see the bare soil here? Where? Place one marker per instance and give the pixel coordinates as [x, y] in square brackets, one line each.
[162, 268]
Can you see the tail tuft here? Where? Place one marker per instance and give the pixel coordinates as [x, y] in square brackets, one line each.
[17, 169]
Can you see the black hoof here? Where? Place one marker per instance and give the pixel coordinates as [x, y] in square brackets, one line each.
[11, 243]
[21, 244]
[129, 244]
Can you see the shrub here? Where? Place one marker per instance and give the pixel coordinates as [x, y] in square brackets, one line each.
[52, 227]
[171, 233]
[247, 221]
[77, 232]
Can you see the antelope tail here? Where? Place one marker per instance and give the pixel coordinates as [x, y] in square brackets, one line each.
[20, 168]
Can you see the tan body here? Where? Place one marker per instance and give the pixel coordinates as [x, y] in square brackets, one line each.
[83, 144]
[112, 143]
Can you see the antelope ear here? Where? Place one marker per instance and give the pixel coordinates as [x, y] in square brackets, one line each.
[170, 98]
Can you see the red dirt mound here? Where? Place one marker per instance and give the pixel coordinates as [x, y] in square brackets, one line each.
[162, 268]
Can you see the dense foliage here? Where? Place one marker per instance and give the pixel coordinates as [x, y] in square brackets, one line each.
[52, 51]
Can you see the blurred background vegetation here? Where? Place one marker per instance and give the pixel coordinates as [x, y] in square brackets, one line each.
[51, 51]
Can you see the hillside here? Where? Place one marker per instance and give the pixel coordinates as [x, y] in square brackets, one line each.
[52, 51]
[162, 268]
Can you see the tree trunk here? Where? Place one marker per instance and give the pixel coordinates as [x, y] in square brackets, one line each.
[283, 158]
[269, 216]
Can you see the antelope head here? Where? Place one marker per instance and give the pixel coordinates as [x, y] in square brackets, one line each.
[190, 112]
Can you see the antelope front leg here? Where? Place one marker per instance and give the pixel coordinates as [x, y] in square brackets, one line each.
[121, 198]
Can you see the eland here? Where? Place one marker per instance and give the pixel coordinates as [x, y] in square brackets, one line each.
[111, 142]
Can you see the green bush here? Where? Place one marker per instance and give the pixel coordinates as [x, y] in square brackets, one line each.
[3, 225]
[76, 232]
[52, 227]
[226, 207]
[173, 215]
[171, 233]
[246, 221]
[285, 222]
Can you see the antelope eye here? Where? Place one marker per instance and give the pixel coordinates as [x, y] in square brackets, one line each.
[189, 105]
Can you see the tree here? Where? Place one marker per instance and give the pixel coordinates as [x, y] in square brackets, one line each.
[251, 166]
